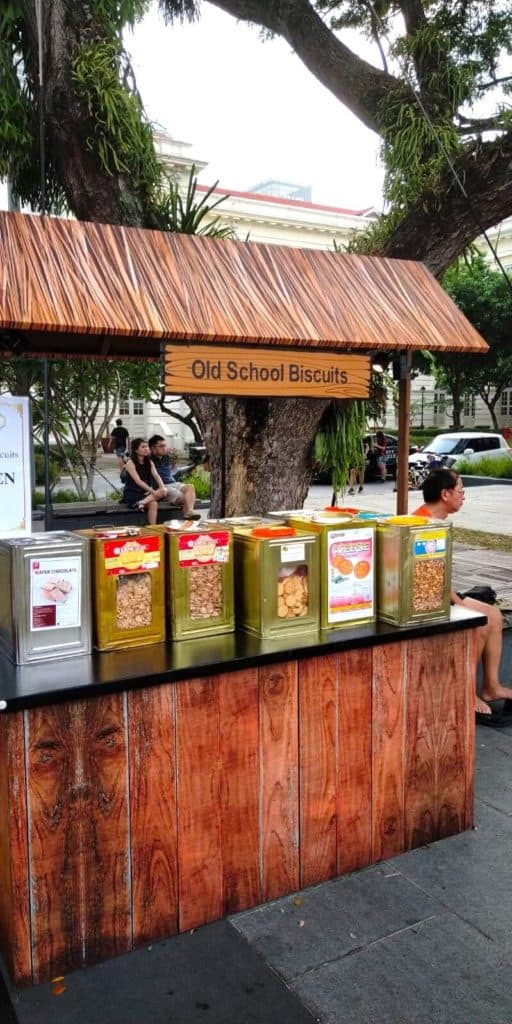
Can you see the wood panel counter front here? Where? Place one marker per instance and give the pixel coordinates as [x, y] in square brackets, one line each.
[146, 792]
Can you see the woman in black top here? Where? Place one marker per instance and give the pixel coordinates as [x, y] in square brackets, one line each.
[143, 488]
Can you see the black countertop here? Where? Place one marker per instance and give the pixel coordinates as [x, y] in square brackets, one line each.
[49, 682]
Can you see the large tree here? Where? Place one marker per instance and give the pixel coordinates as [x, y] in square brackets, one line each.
[448, 172]
[101, 163]
[485, 297]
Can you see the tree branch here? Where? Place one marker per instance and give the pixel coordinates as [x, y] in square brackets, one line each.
[357, 84]
[437, 230]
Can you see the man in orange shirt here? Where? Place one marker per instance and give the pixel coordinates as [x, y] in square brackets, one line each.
[443, 495]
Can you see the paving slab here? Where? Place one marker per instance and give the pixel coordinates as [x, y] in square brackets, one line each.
[334, 919]
[441, 971]
[493, 768]
[470, 875]
[210, 975]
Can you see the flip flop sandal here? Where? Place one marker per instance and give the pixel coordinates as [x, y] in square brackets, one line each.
[507, 708]
[495, 720]
[502, 707]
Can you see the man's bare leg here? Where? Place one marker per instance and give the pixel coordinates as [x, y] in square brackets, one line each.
[189, 499]
[489, 647]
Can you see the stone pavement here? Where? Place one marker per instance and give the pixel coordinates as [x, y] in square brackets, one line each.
[485, 508]
[425, 938]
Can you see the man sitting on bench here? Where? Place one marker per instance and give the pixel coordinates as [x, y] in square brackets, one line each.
[178, 494]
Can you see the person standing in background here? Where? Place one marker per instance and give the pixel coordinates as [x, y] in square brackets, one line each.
[381, 446]
[119, 437]
[356, 474]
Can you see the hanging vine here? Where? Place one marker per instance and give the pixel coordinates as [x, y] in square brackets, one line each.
[339, 442]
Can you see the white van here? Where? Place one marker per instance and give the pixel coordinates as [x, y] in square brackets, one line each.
[451, 449]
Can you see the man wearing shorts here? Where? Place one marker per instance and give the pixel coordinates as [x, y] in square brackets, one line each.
[119, 437]
[443, 495]
[179, 494]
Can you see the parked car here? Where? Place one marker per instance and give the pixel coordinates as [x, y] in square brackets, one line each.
[451, 449]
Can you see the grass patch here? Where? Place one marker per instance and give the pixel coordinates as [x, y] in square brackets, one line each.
[498, 468]
[479, 539]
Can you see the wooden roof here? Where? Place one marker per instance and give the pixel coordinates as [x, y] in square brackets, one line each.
[97, 289]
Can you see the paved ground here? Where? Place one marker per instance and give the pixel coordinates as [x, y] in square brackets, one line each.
[425, 938]
[485, 508]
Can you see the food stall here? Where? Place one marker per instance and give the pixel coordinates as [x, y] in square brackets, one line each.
[147, 790]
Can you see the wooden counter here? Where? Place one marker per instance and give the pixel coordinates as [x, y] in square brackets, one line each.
[147, 792]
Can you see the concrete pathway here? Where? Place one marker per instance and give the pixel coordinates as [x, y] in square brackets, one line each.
[485, 508]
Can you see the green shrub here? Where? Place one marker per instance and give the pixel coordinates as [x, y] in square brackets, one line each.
[500, 468]
[62, 497]
[39, 463]
[201, 481]
[58, 498]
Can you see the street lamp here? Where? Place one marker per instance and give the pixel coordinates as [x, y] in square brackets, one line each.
[422, 389]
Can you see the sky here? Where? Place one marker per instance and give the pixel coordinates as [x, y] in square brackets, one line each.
[252, 110]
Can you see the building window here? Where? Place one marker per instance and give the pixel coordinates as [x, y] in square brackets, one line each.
[439, 403]
[470, 406]
[138, 406]
[124, 406]
[506, 402]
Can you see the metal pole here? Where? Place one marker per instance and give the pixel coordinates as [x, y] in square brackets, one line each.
[422, 389]
[404, 413]
[46, 447]
[222, 457]
[40, 103]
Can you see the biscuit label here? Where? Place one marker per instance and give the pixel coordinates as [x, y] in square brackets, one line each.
[293, 552]
[350, 574]
[55, 588]
[203, 549]
[133, 554]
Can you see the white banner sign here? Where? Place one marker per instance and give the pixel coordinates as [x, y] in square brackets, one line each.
[15, 467]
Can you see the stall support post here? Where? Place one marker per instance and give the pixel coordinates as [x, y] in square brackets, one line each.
[46, 445]
[404, 412]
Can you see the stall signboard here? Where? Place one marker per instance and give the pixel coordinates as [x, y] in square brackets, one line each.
[15, 467]
[264, 371]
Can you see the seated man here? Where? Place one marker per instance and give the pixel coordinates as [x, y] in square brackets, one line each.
[443, 495]
[179, 494]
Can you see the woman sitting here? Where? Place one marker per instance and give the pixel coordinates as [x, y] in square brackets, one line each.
[143, 487]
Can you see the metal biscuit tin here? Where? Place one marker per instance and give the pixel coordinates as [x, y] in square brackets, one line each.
[414, 559]
[347, 567]
[128, 586]
[276, 581]
[200, 585]
[45, 597]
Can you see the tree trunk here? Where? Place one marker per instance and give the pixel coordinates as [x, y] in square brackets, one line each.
[456, 408]
[267, 451]
[92, 191]
[491, 404]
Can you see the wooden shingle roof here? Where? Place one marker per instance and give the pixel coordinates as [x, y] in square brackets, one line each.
[78, 288]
